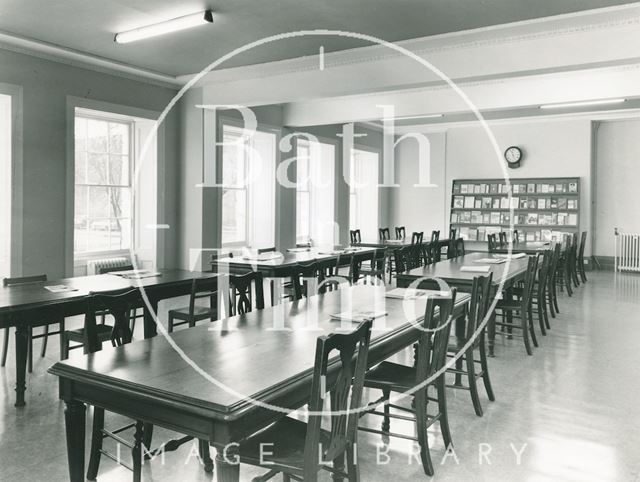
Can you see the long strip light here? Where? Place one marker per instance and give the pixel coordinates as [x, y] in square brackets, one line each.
[426, 116]
[173, 25]
[583, 104]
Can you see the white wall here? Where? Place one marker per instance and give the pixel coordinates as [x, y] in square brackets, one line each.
[419, 208]
[552, 148]
[617, 175]
[5, 185]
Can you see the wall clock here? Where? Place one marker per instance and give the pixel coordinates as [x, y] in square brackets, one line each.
[513, 156]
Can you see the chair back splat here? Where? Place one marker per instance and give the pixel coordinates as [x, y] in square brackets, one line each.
[306, 278]
[119, 305]
[355, 236]
[401, 232]
[345, 380]
[242, 289]
[384, 234]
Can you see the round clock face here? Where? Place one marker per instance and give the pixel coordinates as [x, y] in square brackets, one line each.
[513, 155]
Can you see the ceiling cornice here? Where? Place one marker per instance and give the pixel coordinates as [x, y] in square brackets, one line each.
[56, 53]
[625, 16]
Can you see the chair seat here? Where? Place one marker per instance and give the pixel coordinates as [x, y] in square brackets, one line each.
[199, 313]
[285, 439]
[391, 376]
[509, 305]
[104, 333]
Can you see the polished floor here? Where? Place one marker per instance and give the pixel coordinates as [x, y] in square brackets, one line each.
[571, 412]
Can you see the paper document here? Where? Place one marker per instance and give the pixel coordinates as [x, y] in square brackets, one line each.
[60, 288]
[358, 316]
[476, 269]
[490, 260]
[414, 294]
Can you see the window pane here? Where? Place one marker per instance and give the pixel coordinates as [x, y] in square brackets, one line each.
[99, 235]
[81, 201]
[98, 202]
[234, 216]
[80, 234]
[120, 202]
[120, 233]
[97, 168]
[81, 134]
[119, 170]
[118, 138]
[97, 135]
[233, 165]
[81, 167]
[303, 173]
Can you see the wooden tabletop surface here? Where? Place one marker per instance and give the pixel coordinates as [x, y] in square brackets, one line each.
[525, 247]
[289, 258]
[27, 295]
[450, 269]
[245, 356]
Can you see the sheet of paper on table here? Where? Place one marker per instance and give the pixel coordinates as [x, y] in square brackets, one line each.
[358, 316]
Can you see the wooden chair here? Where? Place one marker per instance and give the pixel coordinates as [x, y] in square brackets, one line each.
[563, 269]
[246, 293]
[431, 352]
[417, 237]
[583, 242]
[492, 243]
[300, 450]
[306, 279]
[452, 233]
[521, 307]
[478, 310]
[456, 248]
[401, 233]
[119, 305]
[355, 236]
[137, 313]
[384, 234]
[552, 295]
[435, 236]
[200, 289]
[539, 293]
[573, 260]
[44, 335]
[516, 236]
[502, 236]
[377, 267]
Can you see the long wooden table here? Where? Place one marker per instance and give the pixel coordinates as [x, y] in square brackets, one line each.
[32, 305]
[282, 266]
[527, 247]
[450, 272]
[251, 364]
[396, 243]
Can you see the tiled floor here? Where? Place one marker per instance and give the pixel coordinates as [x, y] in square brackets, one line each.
[573, 409]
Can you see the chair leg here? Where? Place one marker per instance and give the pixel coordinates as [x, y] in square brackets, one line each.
[386, 420]
[96, 443]
[543, 329]
[525, 333]
[529, 322]
[45, 338]
[170, 326]
[545, 308]
[442, 408]
[5, 346]
[473, 386]
[554, 294]
[30, 350]
[352, 464]
[421, 429]
[484, 365]
[549, 300]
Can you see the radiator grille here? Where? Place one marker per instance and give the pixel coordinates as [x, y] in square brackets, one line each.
[95, 265]
[627, 256]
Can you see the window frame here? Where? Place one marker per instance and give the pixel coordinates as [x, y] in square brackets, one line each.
[306, 191]
[353, 195]
[130, 123]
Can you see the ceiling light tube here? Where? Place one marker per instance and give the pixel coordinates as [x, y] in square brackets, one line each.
[173, 25]
[585, 103]
[426, 116]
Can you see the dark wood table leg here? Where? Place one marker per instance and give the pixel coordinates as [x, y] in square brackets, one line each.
[22, 346]
[203, 449]
[74, 417]
[491, 326]
[227, 468]
[150, 329]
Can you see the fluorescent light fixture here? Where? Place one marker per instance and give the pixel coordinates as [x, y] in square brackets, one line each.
[173, 25]
[427, 116]
[585, 103]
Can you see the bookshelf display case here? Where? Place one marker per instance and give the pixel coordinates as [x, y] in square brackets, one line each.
[543, 208]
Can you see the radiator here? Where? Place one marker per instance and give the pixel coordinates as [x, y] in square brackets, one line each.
[95, 265]
[627, 252]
